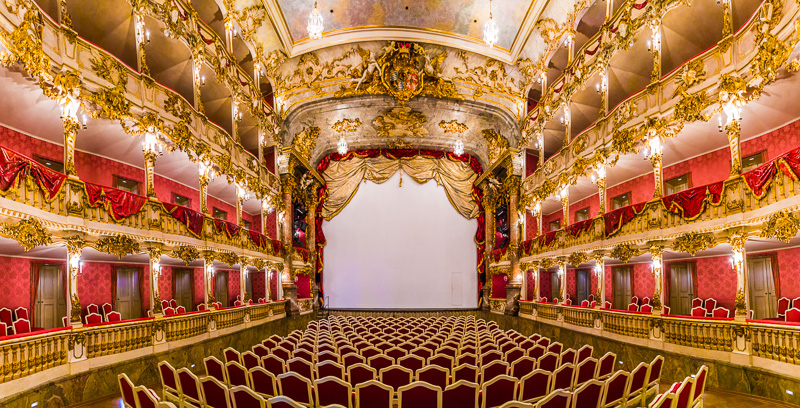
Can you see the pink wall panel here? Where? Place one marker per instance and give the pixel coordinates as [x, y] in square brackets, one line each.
[256, 225]
[530, 226]
[15, 282]
[706, 169]
[530, 289]
[593, 202]
[27, 145]
[717, 279]
[776, 142]
[234, 280]
[643, 281]
[789, 272]
[272, 229]
[498, 286]
[545, 285]
[641, 189]
[547, 218]
[572, 284]
[165, 187]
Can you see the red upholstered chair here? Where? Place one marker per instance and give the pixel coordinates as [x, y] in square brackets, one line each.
[421, 352]
[22, 313]
[616, 390]
[548, 362]
[282, 353]
[721, 312]
[327, 355]
[564, 377]
[635, 300]
[556, 399]
[411, 362]
[466, 358]
[489, 356]
[698, 312]
[665, 400]
[633, 307]
[237, 374]
[190, 389]
[164, 304]
[232, 355]
[22, 326]
[329, 369]
[380, 362]
[522, 367]
[304, 354]
[202, 307]
[783, 305]
[605, 366]
[494, 369]
[466, 372]
[173, 303]
[180, 309]
[699, 387]
[710, 305]
[301, 366]
[697, 302]
[331, 390]
[645, 301]
[419, 394]
[535, 386]
[434, 375]
[251, 359]
[584, 353]
[536, 352]
[145, 397]
[169, 311]
[283, 402]
[588, 394]
[169, 382]
[665, 309]
[296, 387]
[556, 347]
[7, 317]
[513, 354]
[370, 352]
[498, 391]
[568, 356]
[584, 303]
[544, 299]
[606, 305]
[126, 389]
[593, 304]
[92, 308]
[374, 394]
[585, 371]
[461, 394]
[359, 373]
[638, 383]
[646, 309]
[683, 395]
[215, 368]
[396, 353]
[93, 318]
[654, 375]
[113, 317]
[396, 376]
[106, 309]
[244, 397]
[352, 358]
[275, 365]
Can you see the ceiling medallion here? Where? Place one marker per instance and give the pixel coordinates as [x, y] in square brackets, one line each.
[405, 71]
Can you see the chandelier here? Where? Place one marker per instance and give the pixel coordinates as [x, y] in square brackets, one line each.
[315, 23]
[458, 148]
[490, 31]
[341, 147]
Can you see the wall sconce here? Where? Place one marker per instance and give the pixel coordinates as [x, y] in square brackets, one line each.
[199, 79]
[151, 142]
[537, 208]
[653, 146]
[241, 192]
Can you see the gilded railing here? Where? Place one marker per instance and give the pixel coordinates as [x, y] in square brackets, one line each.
[29, 355]
[526, 308]
[775, 342]
[182, 327]
[258, 312]
[579, 316]
[229, 317]
[699, 333]
[116, 338]
[545, 311]
[627, 324]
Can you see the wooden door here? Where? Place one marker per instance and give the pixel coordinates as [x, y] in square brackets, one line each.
[554, 287]
[50, 304]
[221, 288]
[183, 288]
[128, 302]
[762, 287]
[582, 284]
[681, 288]
[248, 286]
[622, 287]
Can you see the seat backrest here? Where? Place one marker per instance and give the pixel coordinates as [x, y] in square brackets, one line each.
[548, 362]
[698, 311]
[499, 390]
[654, 376]
[126, 389]
[296, 387]
[646, 309]
[396, 376]
[588, 394]
[329, 369]
[169, 378]
[237, 374]
[700, 383]
[373, 394]
[633, 307]
[145, 397]
[639, 377]
[684, 393]
[231, 355]
[22, 326]
[783, 305]
[616, 387]
[92, 308]
[331, 390]
[664, 400]
[793, 315]
[216, 369]
[556, 399]
[563, 377]
[606, 365]
[586, 371]
[244, 397]
[107, 308]
[412, 362]
[215, 393]
[535, 385]
[522, 367]
[190, 385]
[419, 394]
[697, 302]
[721, 312]
[22, 313]
[585, 352]
[93, 318]
[568, 356]
[359, 373]
[711, 304]
[493, 369]
[301, 366]
[434, 375]
[462, 394]
[466, 372]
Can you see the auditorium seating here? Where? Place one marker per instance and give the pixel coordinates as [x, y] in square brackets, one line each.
[294, 368]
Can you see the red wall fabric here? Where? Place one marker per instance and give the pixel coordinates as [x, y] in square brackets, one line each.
[572, 284]
[273, 285]
[530, 289]
[716, 279]
[498, 286]
[530, 226]
[593, 202]
[272, 228]
[258, 281]
[641, 189]
[94, 283]
[303, 286]
[775, 143]
[165, 283]
[644, 283]
[231, 210]
[548, 218]
[706, 169]
[789, 272]
[608, 277]
[531, 162]
[256, 223]
[269, 158]
[545, 287]
[165, 187]
[29, 146]
[100, 170]
[234, 280]
[15, 282]
[199, 284]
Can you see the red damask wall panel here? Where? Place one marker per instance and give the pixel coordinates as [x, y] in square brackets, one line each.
[530, 288]
[165, 283]
[572, 285]
[234, 280]
[15, 282]
[608, 277]
[498, 286]
[548, 218]
[231, 210]
[593, 202]
[717, 279]
[272, 228]
[775, 143]
[545, 285]
[706, 169]
[100, 170]
[273, 285]
[199, 295]
[303, 286]
[643, 281]
[256, 225]
[29, 146]
[94, 284]
[258, 280]
[530, 226]
[641, 189]
[789, 272]
[593, 278]
[165, 187]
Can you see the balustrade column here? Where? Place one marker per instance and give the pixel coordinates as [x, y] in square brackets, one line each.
[74, 248]
[243, 281]
[658, 278]
[155, 274]
[733, 129]
[149, 171]
[71, 127]
[208, 278]
[599, 271]
[562, 280]
[742, 300]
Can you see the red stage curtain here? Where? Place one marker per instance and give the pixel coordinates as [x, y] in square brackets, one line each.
[49, 181]
[230, 229]
[35, 268]
[192, 219]
[12, 166]
[759, 179]
[579, 227]
[616, 219]
[119, 204]
[690, 203]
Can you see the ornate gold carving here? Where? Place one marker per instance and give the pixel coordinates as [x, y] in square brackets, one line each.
[310, 71]
[772, 53]
[75, 315]
[347, 125]
[624, 141]
[119, 245]
[404, 70]
[737, 241]
[305, 141]
[186, 253]
[624, 252]
[453, 126]
[693, 242]
[400, 144]
[497, 144]
[692, 73]
[781, 225]
[690, 106]
[28, 232]
[401, 122]
[178, 108]
[228, 257]
[491, 75]
[578, 258]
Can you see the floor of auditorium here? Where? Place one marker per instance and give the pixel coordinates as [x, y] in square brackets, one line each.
[714, 399]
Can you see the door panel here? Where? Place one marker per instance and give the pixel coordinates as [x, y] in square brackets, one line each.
[762, 292]
[128, 300]
[50, 305]
[183, 288]
[582, 286]
[622, 287]
[221, 287]
[680, 289]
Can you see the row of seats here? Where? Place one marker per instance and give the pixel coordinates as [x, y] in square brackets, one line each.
[685, 394]
[14, 322]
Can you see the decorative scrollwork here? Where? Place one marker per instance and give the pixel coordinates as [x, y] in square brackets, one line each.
[186, 253]
[693, 242]
[305, 141]
[624, 252]
[228, 257]
[578, 258]
[782, 226]
[29, 233]
[119, 245]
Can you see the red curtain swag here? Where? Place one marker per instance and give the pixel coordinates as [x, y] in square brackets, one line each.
[579, 227]
[230, 229]
[304, 253]
[689, 204]
[547, 238]
[475, 165]
[526, 247]
[258, 239]
[277, 247]
[759, 179]
[119, 204]
[191, 218]
[497, 254]
[14, 165]
[616, 219]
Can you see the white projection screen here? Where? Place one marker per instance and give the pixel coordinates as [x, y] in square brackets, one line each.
[398, 247]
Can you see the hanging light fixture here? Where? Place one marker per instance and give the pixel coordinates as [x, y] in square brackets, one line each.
[458, 147]
[341, 147]
[490, 31]
[315, 23]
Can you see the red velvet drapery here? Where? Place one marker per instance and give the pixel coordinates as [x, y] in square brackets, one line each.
[119, 204]
[547, 238]
[690, 203]
[760, 178]
[616, 219]
[480, 234]
[13, 165]
[579, 227]
[230, 229]
[191, 218]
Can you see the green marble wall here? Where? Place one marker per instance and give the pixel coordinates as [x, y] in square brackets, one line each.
[721, 375]
[102, 382]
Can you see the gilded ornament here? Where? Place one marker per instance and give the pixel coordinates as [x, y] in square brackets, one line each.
[346, 125]
[401, 122]
[578, 258]
[186, 253]
[782, 226]
[400, 144]
[310, 71]
[693, 242]
[26, 45]
[111, 70]
[490, 75]
[547, 263]
[178, 107]
[624, 252]
[258, 263]
[305, 141]
[209, 256]
[771, 54]
[692, 73]
[228, 257]
[625, 141]
[29, 233]
[119, 245]
[690, 106]
[453, 126]
[75, 315]
[497, 144]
